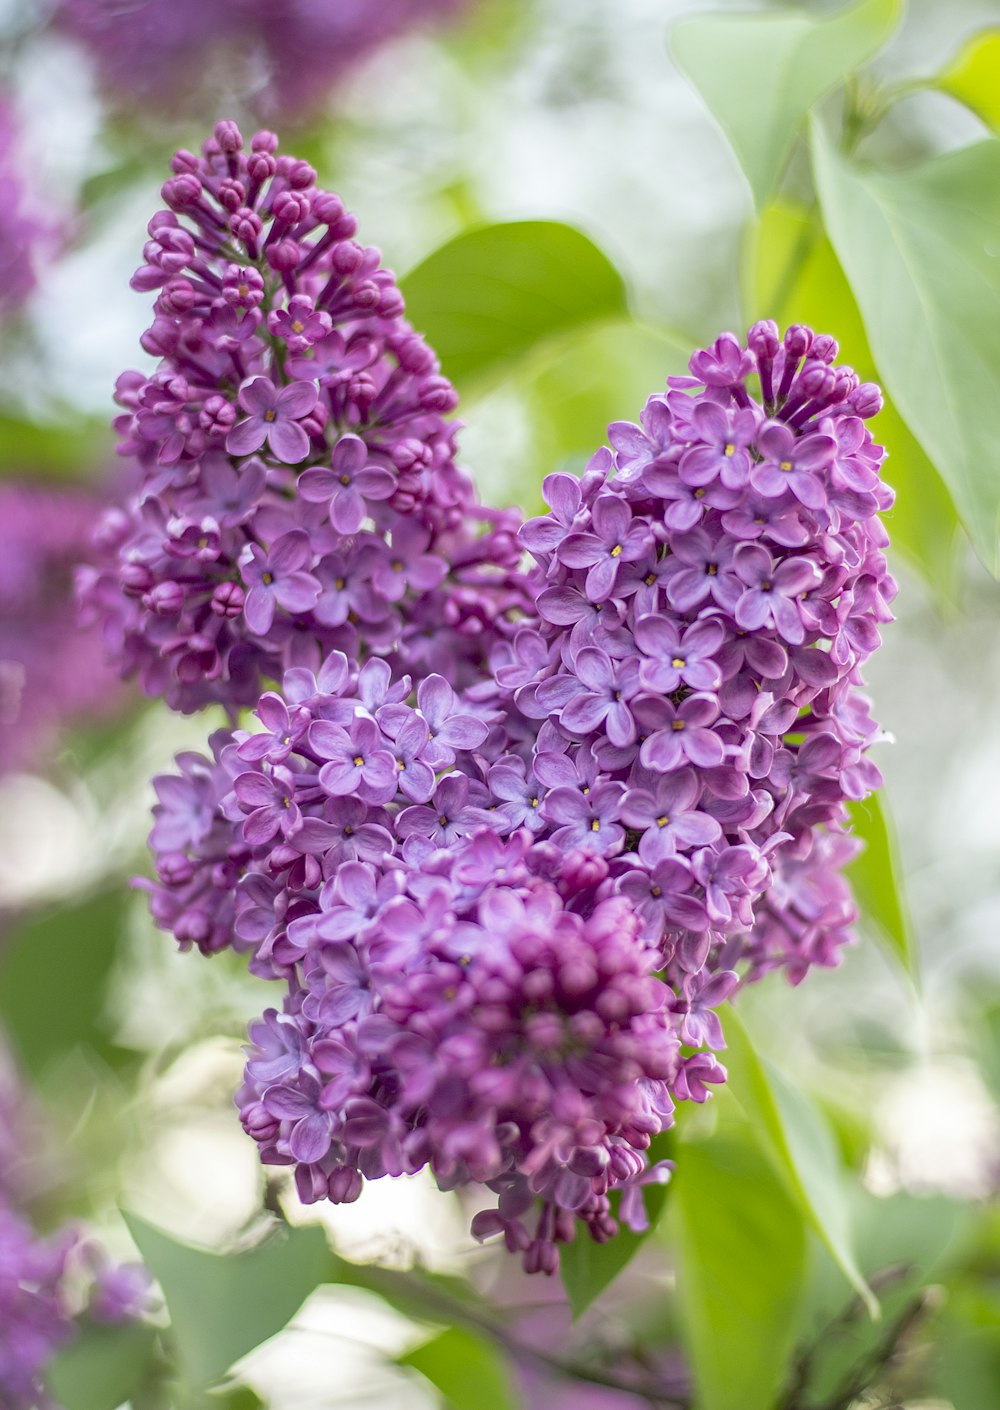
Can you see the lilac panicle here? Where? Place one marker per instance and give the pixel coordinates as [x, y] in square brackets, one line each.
[297, 491]
[507, 872]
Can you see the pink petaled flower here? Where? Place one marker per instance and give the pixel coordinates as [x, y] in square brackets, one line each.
[300, 324]
[349, 482]
[274, 417]
[278, 579]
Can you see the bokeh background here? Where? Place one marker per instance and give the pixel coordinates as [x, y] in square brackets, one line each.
[126, 1053]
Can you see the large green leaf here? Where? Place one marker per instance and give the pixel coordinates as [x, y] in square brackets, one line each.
[54, 971]
[741, 1242]
[587, 1268]
[973, 77]
[102, 1367]
[760, 74]
[796, 1140]
[874, 876]
[921, 249]
[493, 294]
[467, 1368]
[223, 1305]
[795, 277]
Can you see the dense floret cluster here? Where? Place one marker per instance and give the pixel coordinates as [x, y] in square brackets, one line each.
[297, 485]
[507, 883]
[277, 55]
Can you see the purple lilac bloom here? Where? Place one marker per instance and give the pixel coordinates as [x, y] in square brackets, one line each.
[51, 668]
[506, 903]
[283, 57]
[47, 1284]
[288, 506]
[35, 1314]
[24, 237]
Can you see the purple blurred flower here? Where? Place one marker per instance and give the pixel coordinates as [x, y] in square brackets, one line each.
[284, 58]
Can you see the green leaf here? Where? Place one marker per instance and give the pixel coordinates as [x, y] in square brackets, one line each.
[49, 448]
[102, 1367]
[974, 76]
[966, 1367]
[54, 970]
[874, 875]
[760, 74]
[921, 249]
[795, 277]
[236, 1398]
[596, 376]
[494, 293]
[467, 1368]
[223, 1305]
[587, 1268]
[797, 1141]
[742, 1253]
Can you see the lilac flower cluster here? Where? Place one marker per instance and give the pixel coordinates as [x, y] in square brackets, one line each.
[297, 486]
[282, 55]
[52, 673]
[509, 839]
[46, 1284]
[458, 994]
[35, 1316]
[713, 586]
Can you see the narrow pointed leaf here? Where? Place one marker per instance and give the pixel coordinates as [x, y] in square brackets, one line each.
[493, 294]
[103, 1367]
[741, 1241]
[760, 74]
[467, 1368]
[794, 277]
[875, 878]
[795, 1138]
[921, 250]
[973, 77]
